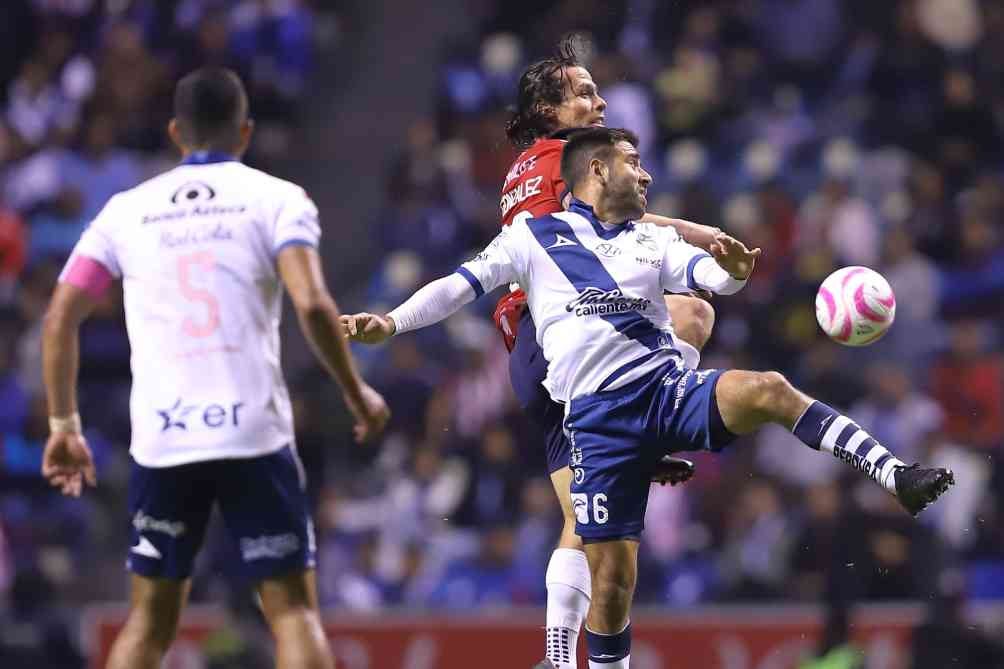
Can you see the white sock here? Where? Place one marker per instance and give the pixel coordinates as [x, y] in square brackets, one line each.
[568, 591]
[622, 663]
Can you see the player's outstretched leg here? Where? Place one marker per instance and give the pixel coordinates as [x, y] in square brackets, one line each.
[747, 400]
[568, 585]
[614, 569]
[290, 606]
[154, 608]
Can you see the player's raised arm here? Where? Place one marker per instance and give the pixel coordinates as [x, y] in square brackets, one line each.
[702, 236]
[300, 269]
[443, 297]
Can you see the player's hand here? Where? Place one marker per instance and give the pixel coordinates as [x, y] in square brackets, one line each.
[67, 463]
[733, 256]
[370, 411]
[368, 328]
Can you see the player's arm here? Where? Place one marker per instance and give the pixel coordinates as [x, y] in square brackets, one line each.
[724, 270]
[317, 312]
[443, 297]
[702, 236]
[67, 462]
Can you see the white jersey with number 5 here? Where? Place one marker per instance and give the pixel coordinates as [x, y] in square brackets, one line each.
[196, 250]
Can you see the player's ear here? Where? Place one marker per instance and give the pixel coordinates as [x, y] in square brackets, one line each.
[247, 129]
[599, 169]
[174, 132]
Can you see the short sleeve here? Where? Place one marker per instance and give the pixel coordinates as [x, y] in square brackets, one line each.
[494, 266]
[296, 221]
[98, 240]
[680, 259]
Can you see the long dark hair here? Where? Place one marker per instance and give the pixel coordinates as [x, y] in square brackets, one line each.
[541, 86]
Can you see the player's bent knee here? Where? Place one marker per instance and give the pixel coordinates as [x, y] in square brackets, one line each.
[693, 319]
[772, 387]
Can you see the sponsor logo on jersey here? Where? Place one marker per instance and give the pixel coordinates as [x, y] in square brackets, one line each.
[145, 523]
[598, 302]
[269, 547]
[181, 416]
[654, 263]
[608, 250]
[646, 240]
[193, 191]
[211, 232]
[193, 212]
[522, 191]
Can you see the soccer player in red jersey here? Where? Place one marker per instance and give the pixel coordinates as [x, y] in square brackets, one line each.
[557, 95]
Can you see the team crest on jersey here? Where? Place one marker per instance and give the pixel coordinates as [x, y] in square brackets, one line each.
[597, 302]
[608, 250]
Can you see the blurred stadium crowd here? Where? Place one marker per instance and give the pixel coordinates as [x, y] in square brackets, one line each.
[828, 132]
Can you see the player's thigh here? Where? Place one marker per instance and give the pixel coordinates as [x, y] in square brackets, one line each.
[292, 592]
[614, 563]
[689, 415]
[693, 319]
[561, 481]
[169, 509]
[265, 508]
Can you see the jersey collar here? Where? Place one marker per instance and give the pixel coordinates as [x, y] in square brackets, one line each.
[586, 210]
[207, 157]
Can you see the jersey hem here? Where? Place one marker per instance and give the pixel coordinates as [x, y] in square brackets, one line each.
[207, 456]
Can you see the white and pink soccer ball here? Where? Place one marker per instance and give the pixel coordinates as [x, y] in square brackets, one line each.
[855, 306]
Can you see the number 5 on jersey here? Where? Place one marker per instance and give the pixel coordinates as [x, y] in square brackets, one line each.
[202, 262]
[580, 503]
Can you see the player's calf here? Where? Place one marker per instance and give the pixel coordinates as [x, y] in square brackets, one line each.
[154, 611]
[614, 568]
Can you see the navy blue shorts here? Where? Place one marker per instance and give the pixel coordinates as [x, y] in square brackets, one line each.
[527, 369]
[262, 500]
[617, 436]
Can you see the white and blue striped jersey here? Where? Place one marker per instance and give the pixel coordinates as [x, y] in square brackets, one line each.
[596, 293]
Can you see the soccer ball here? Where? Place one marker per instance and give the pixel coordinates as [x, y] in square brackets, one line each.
[855, 306]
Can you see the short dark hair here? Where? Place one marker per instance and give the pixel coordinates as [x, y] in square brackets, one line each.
[541, 85]
[586, 144]
[210, 105]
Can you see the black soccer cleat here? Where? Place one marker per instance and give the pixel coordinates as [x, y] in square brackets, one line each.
[916, 487]
[544, 664]
[672, 470]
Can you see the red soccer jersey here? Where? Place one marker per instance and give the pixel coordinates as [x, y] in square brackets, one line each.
[534, 182]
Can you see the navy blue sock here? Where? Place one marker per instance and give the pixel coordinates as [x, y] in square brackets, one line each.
[608, 648]
[811, 425]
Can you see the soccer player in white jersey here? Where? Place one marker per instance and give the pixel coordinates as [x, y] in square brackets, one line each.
[594, 278]
[203, 252]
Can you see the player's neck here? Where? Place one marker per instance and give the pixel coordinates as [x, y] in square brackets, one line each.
[204, 156]
[608, 216]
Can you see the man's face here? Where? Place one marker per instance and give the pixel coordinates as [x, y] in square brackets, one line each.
[627, 182]
[582, 105]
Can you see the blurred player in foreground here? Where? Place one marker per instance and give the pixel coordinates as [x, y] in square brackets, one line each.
[557, 95]
[594, 279]
[204, 251]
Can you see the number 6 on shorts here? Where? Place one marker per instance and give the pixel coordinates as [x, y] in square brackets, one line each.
[580, 504]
